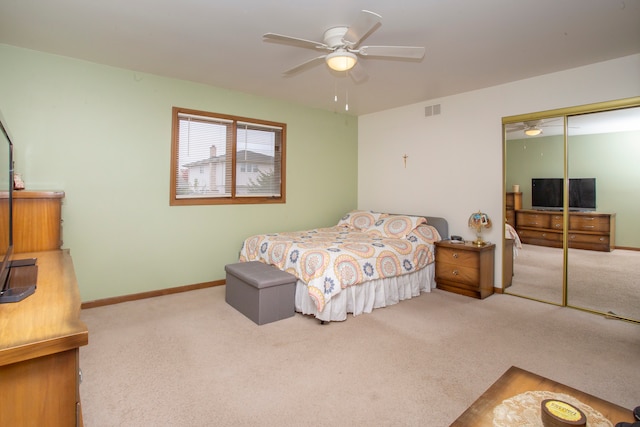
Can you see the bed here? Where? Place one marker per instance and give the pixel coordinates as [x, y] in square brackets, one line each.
[512, 245]
[511, 233]
[368, 260]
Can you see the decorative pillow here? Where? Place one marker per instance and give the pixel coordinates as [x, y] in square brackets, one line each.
[396, 226]
[425, 233]
[360, 220]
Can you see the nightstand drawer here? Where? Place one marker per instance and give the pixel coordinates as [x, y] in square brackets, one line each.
[457, 257]
[457, 273]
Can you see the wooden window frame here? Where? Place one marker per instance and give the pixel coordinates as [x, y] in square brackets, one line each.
[233, 198]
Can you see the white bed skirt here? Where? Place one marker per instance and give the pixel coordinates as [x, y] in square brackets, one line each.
[365, 297]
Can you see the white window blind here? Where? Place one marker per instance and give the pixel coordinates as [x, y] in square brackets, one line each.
[258, 160]
[204, 169]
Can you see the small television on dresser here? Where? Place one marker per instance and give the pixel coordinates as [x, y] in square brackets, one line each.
[548, 194]
[17, 277]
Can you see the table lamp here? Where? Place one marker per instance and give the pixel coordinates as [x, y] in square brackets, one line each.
[479, 221]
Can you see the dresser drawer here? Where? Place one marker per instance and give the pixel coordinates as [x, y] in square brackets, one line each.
[531, 219]
[557, 222]
[526, 235]
[457, 257]
[457, 273]
[589, 238]
[589, 223]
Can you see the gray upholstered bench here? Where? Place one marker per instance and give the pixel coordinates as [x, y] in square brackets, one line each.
[261, 292]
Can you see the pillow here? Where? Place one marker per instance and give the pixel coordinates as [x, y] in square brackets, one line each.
[396, 226]
[425, 233]
[360, 220]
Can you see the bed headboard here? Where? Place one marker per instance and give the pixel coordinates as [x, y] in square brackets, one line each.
[440, 224]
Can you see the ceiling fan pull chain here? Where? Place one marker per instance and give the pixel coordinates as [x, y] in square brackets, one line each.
[346, 105]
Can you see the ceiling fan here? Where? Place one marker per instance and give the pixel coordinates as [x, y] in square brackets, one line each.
[343, 47]
[532, 127]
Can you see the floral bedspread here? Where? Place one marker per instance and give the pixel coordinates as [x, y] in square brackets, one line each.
[331, 259]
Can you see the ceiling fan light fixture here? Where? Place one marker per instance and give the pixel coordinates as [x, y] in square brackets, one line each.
[341, 60]
[534, 131]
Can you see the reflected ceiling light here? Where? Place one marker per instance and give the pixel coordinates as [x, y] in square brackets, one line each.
[533, 131]
[341, 60]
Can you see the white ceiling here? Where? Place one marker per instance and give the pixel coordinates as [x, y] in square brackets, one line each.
[620, 120]
[470, 44]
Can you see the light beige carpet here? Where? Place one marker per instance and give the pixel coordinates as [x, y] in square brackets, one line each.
[192, 360]
[600, 281]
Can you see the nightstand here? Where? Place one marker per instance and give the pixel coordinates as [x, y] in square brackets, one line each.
[465, 268]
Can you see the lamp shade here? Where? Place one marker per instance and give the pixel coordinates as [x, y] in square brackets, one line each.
[478, 221]
[341, 60]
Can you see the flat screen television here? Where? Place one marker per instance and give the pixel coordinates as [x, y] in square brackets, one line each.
[6, 204]
[548, 194]
[14, 284]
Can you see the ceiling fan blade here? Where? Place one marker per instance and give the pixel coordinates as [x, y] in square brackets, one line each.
[410, 52]
[305, 65]
[358, 74]
[310, 44]
[365, 23]
[516, 127]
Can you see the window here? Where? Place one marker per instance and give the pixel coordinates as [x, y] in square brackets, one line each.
[221, 159]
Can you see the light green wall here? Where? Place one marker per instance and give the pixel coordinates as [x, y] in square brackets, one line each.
[103, 135]
[541, 157]
[612, 159]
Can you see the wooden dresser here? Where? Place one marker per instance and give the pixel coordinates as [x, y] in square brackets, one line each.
[40, 336]
[39, 348]
[513, 203]
[465, 268]
[37, 220]
[587, 230]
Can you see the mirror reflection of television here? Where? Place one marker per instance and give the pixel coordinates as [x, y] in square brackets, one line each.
[582, 194]
[548, 193]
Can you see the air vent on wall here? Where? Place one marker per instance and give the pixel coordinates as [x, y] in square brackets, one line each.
[432, 110]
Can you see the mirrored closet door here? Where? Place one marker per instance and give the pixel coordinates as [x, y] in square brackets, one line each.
[571, 210]
[534, 171]
[603, 260]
